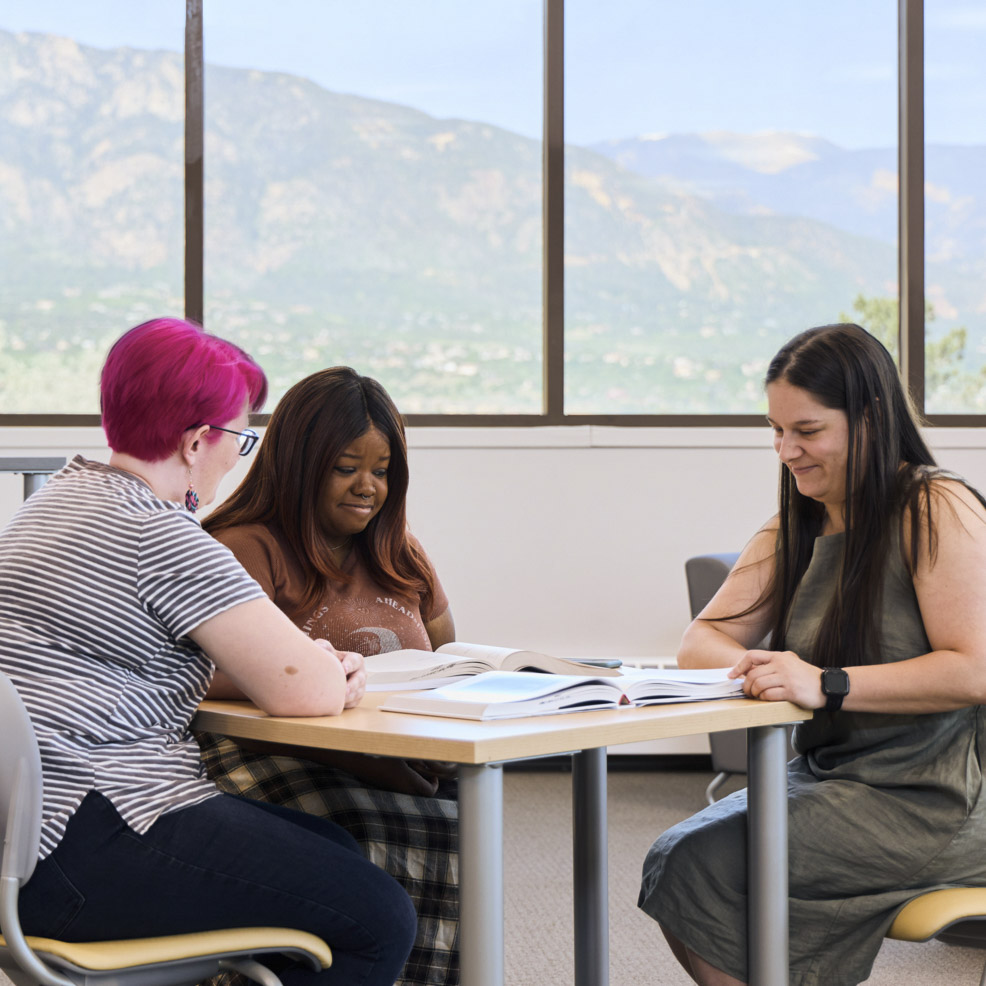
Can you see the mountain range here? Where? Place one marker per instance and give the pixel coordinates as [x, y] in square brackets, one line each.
[854, 190]
[345, 229]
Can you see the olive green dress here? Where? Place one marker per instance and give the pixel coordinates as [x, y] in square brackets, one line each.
[881, 808]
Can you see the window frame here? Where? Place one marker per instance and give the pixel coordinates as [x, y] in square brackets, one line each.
[911, 272]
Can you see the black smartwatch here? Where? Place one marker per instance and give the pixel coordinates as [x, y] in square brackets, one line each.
[835, 687]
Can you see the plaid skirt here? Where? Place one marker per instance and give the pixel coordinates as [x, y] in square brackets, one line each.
[415, 839]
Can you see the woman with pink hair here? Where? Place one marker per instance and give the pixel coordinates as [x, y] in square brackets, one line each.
[115, 610]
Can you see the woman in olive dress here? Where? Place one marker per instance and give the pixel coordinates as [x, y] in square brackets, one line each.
[871, 582]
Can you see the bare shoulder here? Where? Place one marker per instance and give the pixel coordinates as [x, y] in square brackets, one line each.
[744, 586]
[957, 495]
[762, 545]
[949, 503]
[768, 531]
[948, 518]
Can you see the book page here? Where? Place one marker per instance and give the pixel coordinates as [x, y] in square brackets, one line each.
[487, 653]
[647, 686]
[509, 694]
[405, 660]
[418, 669]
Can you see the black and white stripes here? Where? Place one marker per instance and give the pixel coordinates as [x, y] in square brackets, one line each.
[100, 581]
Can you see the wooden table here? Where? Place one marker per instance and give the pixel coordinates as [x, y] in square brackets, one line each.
[480, 748]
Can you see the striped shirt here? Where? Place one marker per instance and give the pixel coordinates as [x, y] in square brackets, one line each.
[100, 583]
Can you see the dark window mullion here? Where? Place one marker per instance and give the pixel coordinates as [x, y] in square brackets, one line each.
[553, 213]
[910, 46]
[194, 148]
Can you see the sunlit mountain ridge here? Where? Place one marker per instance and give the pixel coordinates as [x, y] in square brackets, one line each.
[346, 229]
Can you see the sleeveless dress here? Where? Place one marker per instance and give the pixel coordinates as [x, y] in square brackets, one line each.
[881, 808]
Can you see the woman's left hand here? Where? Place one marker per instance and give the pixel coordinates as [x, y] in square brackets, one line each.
[780, 676]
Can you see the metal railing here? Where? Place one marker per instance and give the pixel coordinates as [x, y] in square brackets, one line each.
[35, 470]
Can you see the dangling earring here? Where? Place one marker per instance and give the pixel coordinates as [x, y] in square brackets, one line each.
[191, 497]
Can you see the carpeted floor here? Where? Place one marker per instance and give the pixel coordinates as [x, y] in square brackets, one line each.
[538, 833]
[538, 918]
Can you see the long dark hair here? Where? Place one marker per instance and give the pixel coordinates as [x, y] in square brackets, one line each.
[888, 478]
[312, 425]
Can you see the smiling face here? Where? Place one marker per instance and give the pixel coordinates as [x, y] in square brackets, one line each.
[356, 487]
[813, 442]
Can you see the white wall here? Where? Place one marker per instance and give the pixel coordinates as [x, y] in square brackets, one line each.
[568, 540]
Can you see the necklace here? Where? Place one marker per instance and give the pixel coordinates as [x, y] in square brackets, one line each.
[336, 547]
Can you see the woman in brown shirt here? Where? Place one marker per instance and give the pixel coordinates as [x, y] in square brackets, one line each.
[320, 523]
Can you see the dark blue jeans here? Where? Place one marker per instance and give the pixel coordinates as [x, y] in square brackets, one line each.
[224, 863]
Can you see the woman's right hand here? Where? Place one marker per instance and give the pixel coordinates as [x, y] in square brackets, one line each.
[780, 676]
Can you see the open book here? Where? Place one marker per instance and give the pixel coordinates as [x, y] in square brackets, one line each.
[399, 670]
[508, 694]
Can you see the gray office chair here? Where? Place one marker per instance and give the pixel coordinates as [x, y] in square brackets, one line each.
[177, 960]
[704, 574]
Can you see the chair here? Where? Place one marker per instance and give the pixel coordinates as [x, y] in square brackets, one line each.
[956, 916]
[176, 959]
[704, 574]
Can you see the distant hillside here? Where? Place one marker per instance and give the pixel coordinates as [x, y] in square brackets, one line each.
[794, 175]
[343, 229]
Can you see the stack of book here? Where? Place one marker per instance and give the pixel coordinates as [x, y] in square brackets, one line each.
[489, 683]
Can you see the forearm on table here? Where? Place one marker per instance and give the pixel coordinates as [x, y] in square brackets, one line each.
[935, 682]
[703, 645]
[271, 662]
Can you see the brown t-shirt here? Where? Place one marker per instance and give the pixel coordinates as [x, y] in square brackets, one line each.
[357, 616]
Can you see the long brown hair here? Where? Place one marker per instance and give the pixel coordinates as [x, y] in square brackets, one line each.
[889, 479]
[312, 425]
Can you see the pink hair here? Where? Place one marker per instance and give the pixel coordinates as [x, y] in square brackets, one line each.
[166, 376]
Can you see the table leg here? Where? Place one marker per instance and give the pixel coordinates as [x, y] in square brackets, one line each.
[767, 844]
[481, 874]
[590, 877]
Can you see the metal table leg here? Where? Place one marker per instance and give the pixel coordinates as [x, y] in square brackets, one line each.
[481, 874]
[590, 876]
[35, 469]
[767, 843]
[33, 481]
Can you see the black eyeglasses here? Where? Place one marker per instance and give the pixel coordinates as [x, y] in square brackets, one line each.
[246, 439]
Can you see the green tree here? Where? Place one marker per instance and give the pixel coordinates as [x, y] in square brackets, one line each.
[949, 386]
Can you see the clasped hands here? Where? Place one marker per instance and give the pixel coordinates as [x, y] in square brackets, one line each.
[355, 669]
[780, 676]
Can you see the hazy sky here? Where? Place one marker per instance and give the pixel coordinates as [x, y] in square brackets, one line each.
[633, 66]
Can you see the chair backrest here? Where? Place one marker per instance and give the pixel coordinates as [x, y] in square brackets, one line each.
[705, 573]
[20, 786]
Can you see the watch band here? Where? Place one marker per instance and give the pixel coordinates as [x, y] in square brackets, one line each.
[835, 687]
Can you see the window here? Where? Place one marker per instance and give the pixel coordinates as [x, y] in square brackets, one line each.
[379, 190]
[955, 207]
[90, 191]
[373, 195]
[731, 179]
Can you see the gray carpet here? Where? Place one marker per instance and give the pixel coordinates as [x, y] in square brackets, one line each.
[641, 804]
[538, 833]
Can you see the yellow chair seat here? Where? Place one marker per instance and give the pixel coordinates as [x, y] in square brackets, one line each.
[108, 955]
[927, 915]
